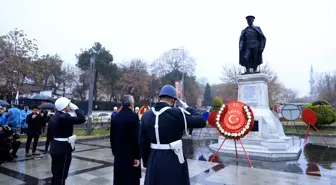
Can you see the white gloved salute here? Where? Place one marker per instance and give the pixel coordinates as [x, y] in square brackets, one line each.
[183, 104]
[73, 106]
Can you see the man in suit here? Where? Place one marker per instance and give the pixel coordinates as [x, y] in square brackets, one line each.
[35, 121]
[63, 143]
[124, 144]
[160, 140]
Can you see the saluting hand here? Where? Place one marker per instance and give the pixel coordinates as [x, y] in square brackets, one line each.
[73, 106]
[136, 163]
[183, 104]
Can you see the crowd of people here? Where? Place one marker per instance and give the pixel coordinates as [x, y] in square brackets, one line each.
[15, 122]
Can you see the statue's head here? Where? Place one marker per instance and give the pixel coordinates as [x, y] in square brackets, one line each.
[250, 20]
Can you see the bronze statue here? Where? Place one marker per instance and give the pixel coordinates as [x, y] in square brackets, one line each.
[251, 45]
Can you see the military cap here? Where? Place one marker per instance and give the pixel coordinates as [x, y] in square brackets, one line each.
[250, 17]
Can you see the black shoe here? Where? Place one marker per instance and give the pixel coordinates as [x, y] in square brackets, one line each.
[14, 156]
[35, 154]
[10, 158]
[28, 155]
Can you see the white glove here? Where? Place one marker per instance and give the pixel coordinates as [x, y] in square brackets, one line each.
[73, 106]
[183, 104]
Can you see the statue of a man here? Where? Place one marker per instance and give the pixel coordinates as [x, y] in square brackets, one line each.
[251, 45]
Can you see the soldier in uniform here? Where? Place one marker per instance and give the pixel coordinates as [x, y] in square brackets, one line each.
[252, 42]
[63, 143]
[160, 137]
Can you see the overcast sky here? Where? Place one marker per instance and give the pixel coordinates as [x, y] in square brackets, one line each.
[299, 33]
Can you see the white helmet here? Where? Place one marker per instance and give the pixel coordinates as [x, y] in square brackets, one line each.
[115, 108]
[136, 108]
[61, 103]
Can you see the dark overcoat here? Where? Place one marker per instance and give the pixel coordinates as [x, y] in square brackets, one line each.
[163, 166]
[242, 46]
[124, 135]
[34, 124]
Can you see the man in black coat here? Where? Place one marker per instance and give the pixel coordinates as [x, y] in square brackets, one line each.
[35, 121]
[63, 143]
[124, 144]
[161, 132]
[8, 142]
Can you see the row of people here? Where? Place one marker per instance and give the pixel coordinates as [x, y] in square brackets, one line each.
[32, 123]
[157, 141]
[16, 118]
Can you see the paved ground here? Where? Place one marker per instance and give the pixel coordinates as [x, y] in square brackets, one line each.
[93, 164]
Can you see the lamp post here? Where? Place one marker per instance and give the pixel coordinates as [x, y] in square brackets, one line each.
[150, 92]
[92, 79]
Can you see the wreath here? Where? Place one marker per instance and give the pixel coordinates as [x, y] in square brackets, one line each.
[243, 123]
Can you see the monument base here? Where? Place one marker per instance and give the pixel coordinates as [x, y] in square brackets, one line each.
[264, 150]
[267, 140]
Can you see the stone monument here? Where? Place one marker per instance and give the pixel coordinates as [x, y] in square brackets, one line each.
[267, 140]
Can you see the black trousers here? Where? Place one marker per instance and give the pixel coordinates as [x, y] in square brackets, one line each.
[29, 139]
[23, 130]
[6, 155]
[48, 141]
[15, 147]
[60, 165]
[43, 129]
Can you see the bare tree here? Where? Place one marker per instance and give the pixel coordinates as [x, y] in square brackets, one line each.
[326, 87]
[203, 81]
[230, 78]
[17, 54]
[230, 74]
[227, 91]
[81, 84]
[135, 79]
[289, 96]
[174, 60]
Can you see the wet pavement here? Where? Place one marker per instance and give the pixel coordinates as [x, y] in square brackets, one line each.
[93, 164]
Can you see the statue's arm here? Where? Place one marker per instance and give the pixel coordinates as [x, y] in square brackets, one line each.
[263, 40]
[241, 40]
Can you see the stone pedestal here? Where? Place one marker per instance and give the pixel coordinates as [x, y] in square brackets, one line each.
[267, 140]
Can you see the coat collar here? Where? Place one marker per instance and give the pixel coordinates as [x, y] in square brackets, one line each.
[160, 105]
[126, 109]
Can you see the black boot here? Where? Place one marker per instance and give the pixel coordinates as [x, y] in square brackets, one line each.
[14, 155]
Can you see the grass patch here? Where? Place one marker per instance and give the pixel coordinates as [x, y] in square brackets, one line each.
[80, 133]
[303, 129]
[302, 123]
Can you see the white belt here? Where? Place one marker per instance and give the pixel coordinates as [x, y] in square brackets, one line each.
[71, 140]
[160, 146]
[176, 146]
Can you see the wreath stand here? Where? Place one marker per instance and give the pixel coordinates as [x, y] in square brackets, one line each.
[234, 121]
[235, 142]
[310, 118]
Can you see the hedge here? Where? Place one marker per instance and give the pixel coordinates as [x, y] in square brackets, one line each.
[326, 114]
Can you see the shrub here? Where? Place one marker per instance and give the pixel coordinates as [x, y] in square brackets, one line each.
[216, 104]
[320, 102]
[326, 114]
